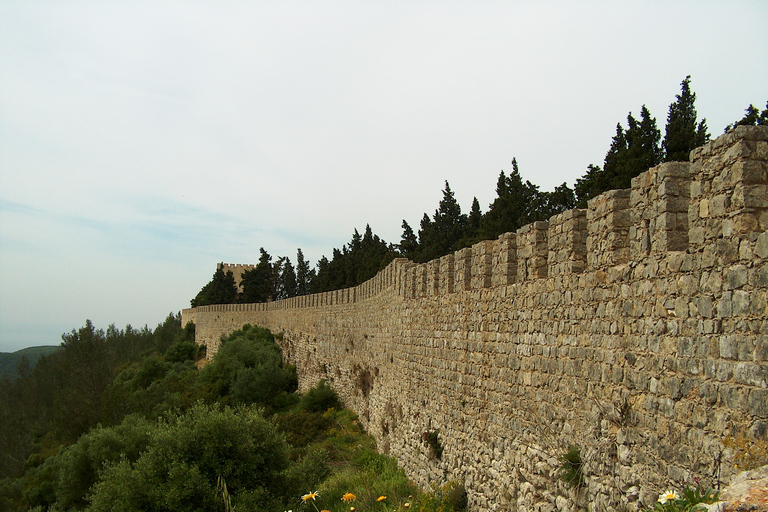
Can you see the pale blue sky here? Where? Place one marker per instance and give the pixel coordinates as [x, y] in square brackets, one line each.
[143, 142]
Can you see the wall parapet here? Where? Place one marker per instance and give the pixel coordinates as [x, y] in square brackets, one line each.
[636, 328]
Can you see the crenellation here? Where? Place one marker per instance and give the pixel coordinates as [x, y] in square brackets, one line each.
[505, 260]
[567, 243]
[608, 226]
[636, 329]
[532, 251]
[482, 264]
[432, 269]
[462, 266]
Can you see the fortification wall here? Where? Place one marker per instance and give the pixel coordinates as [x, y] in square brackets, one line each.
[636, 329]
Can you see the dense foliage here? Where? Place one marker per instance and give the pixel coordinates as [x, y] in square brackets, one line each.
[173, 437]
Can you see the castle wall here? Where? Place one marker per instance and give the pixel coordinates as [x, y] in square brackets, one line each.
[636, 329]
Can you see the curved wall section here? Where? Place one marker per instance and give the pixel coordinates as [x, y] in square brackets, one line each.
[636, 329]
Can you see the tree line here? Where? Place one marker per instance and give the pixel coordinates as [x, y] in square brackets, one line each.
[634, 148]
[132, 420]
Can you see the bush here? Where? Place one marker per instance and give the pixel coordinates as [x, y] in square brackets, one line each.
[186, 457]
[80, 465]
[248, 369]
[320, 398]
[181, 351]
[571, 468]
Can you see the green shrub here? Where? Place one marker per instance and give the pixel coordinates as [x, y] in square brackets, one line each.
[451, 497]
[308, 472]
[187, 455]
[571, 468]
[320, 398]
[80, 465]
[182, 350]
[248, 369]
[302, 428]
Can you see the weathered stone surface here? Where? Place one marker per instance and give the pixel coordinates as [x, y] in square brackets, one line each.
[636, 330]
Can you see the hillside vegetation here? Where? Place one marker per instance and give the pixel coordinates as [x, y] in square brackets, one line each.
[22, 361]
[125, 420]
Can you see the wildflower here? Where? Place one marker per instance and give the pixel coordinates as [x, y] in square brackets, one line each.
[406, 505]
[381, 498]
[351, 509]
[668, 496]
[348, 497]
[311, 496]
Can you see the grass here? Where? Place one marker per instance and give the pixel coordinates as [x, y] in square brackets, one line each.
[336, 458]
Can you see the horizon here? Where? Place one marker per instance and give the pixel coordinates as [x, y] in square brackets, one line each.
[142, 144]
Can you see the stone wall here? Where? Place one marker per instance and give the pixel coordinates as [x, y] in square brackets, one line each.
[636, 329]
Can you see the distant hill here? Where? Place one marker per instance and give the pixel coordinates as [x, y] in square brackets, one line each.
[9, 361]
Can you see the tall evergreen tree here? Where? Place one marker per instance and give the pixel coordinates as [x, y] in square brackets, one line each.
[259, 283]
[632, 151]
[559, 200]
[220, 290]
[752, 117]
[441, 234]
[474, 220]
[515, 204]
[303, 274]
[354, 263]
[288, 283]
[592, 184]
[409, 244]
[683, 134]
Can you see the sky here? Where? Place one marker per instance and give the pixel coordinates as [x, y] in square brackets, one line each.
[142, 142]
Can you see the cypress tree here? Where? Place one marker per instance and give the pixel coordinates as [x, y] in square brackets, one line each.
[683, 134]
[303, 274]
[753, 117]
[259, 283]
[220, 290]
[409, 244]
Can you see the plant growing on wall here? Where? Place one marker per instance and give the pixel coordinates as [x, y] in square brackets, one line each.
[571, 468]
[432, 439]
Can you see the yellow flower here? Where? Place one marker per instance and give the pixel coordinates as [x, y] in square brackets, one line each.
[406, 505]
[311, 496]
[351, 509]
[381, 498]
[348, 497]
[668, 496]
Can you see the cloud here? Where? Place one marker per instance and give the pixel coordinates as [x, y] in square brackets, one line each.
[142, 142]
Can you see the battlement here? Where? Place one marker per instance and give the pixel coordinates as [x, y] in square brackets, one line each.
[722, 192]
[638, 325]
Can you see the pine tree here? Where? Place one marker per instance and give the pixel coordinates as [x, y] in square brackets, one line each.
[559, 200]
[474, 219]
[409, 244]
[259, 283]
[683, 134]
[220, 290]
[632, 151]
[303, 274]
[753, 117]
[288, 281]
[441, 234]
[592, 184]
[515, 205]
